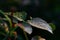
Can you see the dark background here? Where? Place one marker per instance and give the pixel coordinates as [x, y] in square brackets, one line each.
[48, 10]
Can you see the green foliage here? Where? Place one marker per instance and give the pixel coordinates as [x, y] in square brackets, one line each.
[6, 27]
[21, 15]
[52, 26]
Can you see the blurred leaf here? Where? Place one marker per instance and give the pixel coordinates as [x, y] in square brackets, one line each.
[2, 30]
[52, 26]
[18, 15]
[2, 14]
[27, 28]
[21, 15]
[22, 27]
[6, 17]
[9, 20]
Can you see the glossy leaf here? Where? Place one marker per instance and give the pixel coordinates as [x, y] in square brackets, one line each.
[40, 23]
